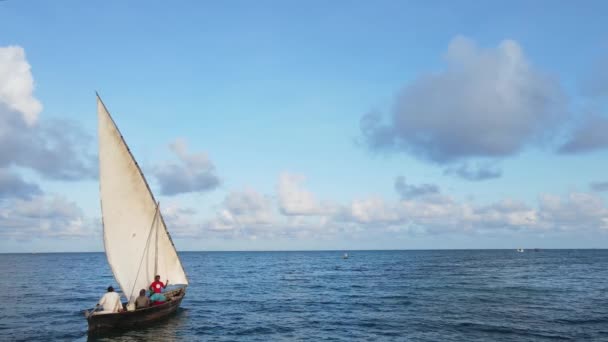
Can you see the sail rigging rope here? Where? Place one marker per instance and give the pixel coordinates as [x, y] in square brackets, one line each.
[156, 212]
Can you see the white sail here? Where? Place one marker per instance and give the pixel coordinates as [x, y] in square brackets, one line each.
[136, 240]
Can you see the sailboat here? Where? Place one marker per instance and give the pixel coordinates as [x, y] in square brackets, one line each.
[136, 241]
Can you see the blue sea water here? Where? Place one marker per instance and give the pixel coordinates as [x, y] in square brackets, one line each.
[463, 295]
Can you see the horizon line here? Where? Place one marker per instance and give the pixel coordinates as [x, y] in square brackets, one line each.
[332, 250]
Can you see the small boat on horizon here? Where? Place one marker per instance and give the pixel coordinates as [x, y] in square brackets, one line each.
[520, 250]
[345, 256]
[136, 240]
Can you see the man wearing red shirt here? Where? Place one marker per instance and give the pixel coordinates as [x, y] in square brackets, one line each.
[158, 285]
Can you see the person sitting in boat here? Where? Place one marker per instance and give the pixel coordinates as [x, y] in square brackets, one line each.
[157, 298]
[157, 286]
[142, 301]
[110, 302]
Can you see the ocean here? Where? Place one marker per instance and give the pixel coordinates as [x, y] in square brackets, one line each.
[442, 295]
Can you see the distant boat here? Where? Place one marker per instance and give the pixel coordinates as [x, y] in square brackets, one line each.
[345, 256]
[136, 241]
[520, 250]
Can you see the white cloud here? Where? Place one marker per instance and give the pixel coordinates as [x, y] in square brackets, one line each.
[241, 214]
[374, 211]
[249, 207]
[194, 173]
[17, 84]
[181, 222]
[295, 200]
[56, 149]
[44, 217]
[442, 214]
[433, 213]
[505, 214]
[248, 214]
[487, 103]
[578, 211]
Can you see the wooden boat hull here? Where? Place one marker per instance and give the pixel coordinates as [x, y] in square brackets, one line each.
[99, 323]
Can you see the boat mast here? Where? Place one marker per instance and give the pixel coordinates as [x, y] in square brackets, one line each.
[147, 248]
[156, 250]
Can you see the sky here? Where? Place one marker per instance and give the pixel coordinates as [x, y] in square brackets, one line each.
[289, 125]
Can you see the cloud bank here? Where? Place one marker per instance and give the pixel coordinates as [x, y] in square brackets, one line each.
[422, 209]
[53, 149]
[44, 217]
[294, 199]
